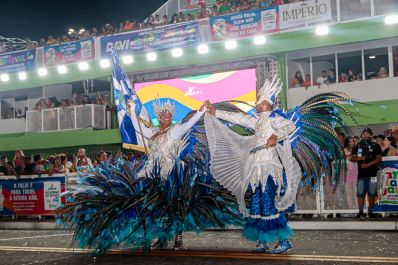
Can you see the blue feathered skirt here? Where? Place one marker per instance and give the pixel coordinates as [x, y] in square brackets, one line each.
[266, 223]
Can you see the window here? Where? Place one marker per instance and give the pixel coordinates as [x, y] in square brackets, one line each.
[354, 9]
[299, 73]
[384, 7]
[324, 69]
[7, 108]
[376, 63]
[350, 66]
[395, 59]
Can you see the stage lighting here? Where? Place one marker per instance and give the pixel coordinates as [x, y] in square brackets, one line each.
[104, 63]
[22, 75]
[322, 30]
[4, 77]
[259, 40]
[42, 71]
[177, 52]
[127, 59]
[83, 66]
[203, 48]
[391, 19]
[151, 56]
[62, 69]
[230, 44]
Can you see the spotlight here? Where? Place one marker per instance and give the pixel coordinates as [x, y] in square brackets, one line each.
[83, 66]
[22, 75]
[372, 57]
[127, 59]
[230, 44]
[104, 63]
[42, 72]
[322, 30]
[391, 19]
[203, 48]
[151, 56]
[259, 40]
[176, 52]
[4, 77]
[62, 69]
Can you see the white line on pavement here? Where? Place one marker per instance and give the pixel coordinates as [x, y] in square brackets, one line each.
[32, 237]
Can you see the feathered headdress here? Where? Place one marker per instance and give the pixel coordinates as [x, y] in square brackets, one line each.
[269, 91]
[159, 107]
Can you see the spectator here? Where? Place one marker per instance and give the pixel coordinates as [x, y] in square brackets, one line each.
[379, 140]
[102, 158]
[29, 167]
[57, 167]
[368, 156]
[342, 138]
[51, 40]
[157, 21]
[383, 73]
[42, 166]
[19, 162]
[297, 80]
[214, 11]
[94, 32]
[65, 38]
[181, 17]
[174, 19]
[234, 8]
[351, 76]
[322, 79]
[150, 22]
[343, 78]
[128, 26]
[389, 146]
[203, 12]
[224, 8]
[244, 6]
[82, 162]
[331, 77]
[307, 81]
[4, 169]
[356, 140]
[351, 174]
[190, 17]
[165, 20]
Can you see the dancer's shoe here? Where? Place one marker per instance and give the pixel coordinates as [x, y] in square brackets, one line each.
[284, 246]
[262, 247]
[161, 244]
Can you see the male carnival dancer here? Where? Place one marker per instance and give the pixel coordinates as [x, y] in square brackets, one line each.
[253, 163]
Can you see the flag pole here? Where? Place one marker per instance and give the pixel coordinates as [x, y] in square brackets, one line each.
[140, 128]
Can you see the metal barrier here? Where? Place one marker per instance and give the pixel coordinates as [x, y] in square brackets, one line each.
[59, 119]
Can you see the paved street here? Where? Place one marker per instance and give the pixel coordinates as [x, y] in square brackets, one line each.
[223, 247]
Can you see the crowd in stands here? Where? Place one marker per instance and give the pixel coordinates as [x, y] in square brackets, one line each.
[329, 77]
[221, 7]
[75, 100]
[57, 163]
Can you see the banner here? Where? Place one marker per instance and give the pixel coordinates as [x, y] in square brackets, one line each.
[69, 52]
[244, 24]
[37, 196]
[170, 36]
[388, 192]
[18, 61]
[302, 13]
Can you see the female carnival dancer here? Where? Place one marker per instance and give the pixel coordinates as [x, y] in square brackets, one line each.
[157, 197]
[266, 165]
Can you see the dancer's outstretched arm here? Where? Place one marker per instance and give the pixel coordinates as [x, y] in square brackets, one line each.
[178, 130]
[282, 127]
[233, 117]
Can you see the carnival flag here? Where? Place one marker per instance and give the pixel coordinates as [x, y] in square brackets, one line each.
[133, 121]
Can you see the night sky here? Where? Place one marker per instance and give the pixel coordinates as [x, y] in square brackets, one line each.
[40, 18]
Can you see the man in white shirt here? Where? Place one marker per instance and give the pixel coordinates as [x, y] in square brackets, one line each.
[322, 79]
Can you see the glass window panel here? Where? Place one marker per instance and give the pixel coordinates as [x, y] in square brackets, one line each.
[323, 69]
[299, 73]
[395, 59]
[383, 7]
[354, 9]
[376, 63]
[350, 66]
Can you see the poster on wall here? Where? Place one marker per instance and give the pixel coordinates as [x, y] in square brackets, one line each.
[388, 191]
[304, 12]
[38, 196]
[189, 93]
[18, 61]
[69, 52]
[163, 38]
[244, 24]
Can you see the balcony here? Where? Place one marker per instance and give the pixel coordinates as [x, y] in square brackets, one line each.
[70, 118]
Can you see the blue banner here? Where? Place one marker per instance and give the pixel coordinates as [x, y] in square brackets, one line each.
[170, 36]
[18, 61]
[69, 52]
